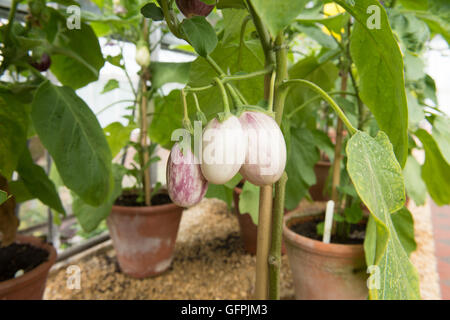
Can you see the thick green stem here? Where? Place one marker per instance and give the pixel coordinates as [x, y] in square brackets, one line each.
[280, 186]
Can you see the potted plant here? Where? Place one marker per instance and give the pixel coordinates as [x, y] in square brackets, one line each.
[30, 106]
[373, 162]
[142, 219]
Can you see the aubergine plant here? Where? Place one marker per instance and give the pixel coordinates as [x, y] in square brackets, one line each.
[31, 104]
[122, 22]
[251, 52]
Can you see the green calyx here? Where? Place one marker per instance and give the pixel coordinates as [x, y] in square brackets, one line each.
[242, 109]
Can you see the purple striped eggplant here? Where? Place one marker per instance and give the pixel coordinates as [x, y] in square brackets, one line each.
[265, 159]
[185, 182]
[223, 149]
[192, 8]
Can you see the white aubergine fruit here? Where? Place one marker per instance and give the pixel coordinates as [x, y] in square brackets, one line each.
[265, 159]
[223, 149]
[185, 182]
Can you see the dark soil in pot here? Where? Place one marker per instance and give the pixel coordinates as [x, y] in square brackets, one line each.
[32, 256]
[323, 271]
[309, 229]
[144, 236]
[129, 199]
[20, 256]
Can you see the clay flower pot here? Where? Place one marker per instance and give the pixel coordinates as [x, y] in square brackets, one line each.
[324, 271]
[249, 230]
[31, 285]
[144, 237]
[316, 191]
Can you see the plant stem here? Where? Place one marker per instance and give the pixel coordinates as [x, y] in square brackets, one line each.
[263, 243]
[11, 16]
[280, 186]
[327, 98]
[226, 105]
[144, 124]
[300, 107]
[171, 24]
[337, 155]
[247, 75]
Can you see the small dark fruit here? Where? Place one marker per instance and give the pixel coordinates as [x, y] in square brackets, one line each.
[43, 64]
[192, 8]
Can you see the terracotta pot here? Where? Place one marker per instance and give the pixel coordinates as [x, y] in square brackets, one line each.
[324, 271]
[316, 191]
[31, 285]
[249, 230]
[144, 237]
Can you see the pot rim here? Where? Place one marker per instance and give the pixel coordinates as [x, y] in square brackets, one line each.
[315, 246]
[32, 275]
[146, 210]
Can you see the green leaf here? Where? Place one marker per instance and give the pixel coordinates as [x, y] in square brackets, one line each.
[353, 214]
[117, 136]
[37, 182]
[20, 191]
[89, 216]
[404, 226]
[441, 134]
[277, 15]
[435, 170]
[200, 34]
[222, 4]
[110, 85]
[76, 55]
[167, 72]
[300, 166]
[13, 132]
[415, 187]
[380, 68]
[322, 73]
[3, 197]
[71, 133]
[415, 112]
[378, 180]
[152, 11]
[232, 23]
[249, 201]
[220, 192]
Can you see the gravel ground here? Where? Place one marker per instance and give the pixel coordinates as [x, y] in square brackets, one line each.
[209, 263]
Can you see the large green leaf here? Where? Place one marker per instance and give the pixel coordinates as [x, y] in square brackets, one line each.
[378, 180]
[89, 216]
[3, 196]
[323, 73]
[302, 157]
[220, 192]
[37, 182]
[277, 15]
[71, 133]
[415, 187]
[435, 170]
[166, 72]
[249, 201]
[117, 136]
[200, 34]
[436, 13]
[404, 226]
[13, 132]
[76, 55]
[441, 134]
[380, 68]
